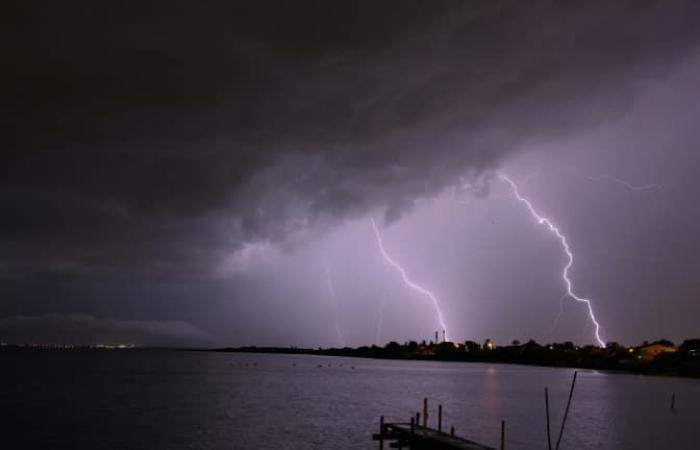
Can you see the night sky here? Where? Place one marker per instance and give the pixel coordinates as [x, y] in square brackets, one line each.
[207, 173]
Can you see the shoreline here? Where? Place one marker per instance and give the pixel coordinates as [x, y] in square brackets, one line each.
[667, 367]
[676, 365]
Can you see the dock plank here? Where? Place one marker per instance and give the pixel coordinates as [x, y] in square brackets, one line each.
[419, 437]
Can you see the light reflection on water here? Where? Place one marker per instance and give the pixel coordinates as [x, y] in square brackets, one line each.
[191, 400]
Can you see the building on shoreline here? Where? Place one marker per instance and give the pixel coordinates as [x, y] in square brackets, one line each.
[650, 351]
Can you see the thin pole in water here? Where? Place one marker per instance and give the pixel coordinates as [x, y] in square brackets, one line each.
[566, 413]
[439, 418]
[546, 407]
[673, 401]
[503, 434]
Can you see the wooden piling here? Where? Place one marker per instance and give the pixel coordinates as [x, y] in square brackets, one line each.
[381, 432]
[440, 418]
[417, 419]
[413, 425]
[452, 431]
[425, 412]
[673, 401]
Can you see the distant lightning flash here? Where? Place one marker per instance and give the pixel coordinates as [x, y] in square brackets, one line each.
[628, 185]
[555, 324]
[331, 290]
[565, 245]
[407, 280]
[380, 319]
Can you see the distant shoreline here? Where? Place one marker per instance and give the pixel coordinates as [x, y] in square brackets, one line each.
[683, 363]
[675, 365]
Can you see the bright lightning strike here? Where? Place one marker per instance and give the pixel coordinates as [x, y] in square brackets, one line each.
[565, 245]
[331, 290]
[407, 280]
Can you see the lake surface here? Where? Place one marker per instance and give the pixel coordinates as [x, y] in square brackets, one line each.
[147, 399]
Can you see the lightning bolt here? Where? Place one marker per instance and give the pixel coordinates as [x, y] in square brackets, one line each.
[628, 185]
[331, 290]
[404, 276]
[567, 250]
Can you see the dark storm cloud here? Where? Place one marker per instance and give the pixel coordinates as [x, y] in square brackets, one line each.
[165, 134]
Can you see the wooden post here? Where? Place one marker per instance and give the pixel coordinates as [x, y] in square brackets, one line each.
[673, 401]
[413, 425]
[381, 432]
[425, 412]
[417, 419]
[503, 434]
[439, 418]
[546, 407]
[452, 431]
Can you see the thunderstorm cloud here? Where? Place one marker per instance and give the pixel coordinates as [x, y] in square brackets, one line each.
[203, 162]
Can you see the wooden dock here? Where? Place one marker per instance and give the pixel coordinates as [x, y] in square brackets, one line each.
[409, 436]
[417, 435]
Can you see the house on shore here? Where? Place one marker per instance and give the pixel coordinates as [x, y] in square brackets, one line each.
[649, 352]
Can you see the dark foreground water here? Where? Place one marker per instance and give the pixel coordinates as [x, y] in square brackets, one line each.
[189, 400]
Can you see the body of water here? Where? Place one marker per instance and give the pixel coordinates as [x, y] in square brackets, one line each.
[150, 400]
